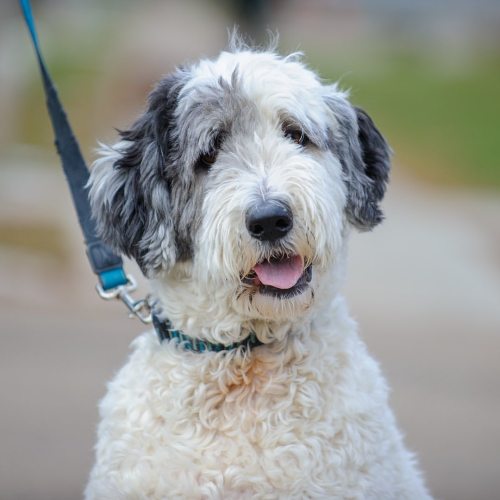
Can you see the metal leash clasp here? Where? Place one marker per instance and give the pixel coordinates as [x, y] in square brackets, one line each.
[137, 308]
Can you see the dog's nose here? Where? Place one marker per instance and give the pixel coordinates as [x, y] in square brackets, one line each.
[269, 221]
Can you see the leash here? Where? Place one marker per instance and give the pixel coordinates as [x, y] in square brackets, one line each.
[113, 283]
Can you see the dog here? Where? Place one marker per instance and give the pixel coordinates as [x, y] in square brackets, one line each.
[235, 192]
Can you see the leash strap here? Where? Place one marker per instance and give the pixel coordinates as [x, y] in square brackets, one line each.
[107, 265]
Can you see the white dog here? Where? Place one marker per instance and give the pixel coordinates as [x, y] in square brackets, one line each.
[236, 192]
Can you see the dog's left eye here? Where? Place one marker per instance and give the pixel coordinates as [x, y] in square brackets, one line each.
[207, 160]
[297, 136]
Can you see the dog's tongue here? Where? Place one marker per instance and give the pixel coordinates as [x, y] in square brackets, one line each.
[281, 274]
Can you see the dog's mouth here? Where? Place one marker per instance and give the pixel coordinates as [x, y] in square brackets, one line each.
[281, 276]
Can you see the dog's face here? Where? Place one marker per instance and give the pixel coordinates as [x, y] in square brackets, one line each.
[245, 173]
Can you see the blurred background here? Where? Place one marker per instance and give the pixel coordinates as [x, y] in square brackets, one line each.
[424, 286]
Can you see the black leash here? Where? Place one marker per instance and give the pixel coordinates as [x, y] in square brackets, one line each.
[106, 264]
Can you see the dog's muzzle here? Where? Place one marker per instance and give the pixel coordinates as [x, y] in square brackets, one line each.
[280, 275]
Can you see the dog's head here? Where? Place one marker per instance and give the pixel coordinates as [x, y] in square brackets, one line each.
[245, 172]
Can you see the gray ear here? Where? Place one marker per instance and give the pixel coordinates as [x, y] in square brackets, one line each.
[130, 189]
[369, 178]
[365, 158]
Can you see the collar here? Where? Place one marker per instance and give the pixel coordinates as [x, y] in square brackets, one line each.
[166, 331]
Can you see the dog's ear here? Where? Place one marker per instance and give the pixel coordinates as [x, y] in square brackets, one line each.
[365, 157]
[371, 162]
[130, 185]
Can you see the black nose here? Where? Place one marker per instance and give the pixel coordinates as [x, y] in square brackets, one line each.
[269, 221]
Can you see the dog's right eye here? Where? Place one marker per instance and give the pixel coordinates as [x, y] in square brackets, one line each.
[206, 160]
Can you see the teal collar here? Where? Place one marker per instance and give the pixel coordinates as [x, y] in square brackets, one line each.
[165, 331]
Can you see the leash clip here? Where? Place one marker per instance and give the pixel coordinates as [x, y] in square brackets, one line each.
[137, 308]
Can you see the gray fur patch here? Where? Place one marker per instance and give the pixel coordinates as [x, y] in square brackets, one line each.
[208, 110]
[131, 199]
[365, 158]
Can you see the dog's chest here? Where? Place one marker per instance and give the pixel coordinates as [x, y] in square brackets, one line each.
[253, 404]
[268, 422]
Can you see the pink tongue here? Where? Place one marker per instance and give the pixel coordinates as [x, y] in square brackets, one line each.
[283, 274]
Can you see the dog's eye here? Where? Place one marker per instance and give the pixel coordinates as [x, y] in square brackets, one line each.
[297, 136]
[206, 160]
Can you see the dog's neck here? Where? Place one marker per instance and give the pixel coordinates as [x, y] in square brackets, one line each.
[209, 317]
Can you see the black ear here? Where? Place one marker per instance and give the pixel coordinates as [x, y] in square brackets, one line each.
[129, 185]
[372, 165]
[365, 158]
[366, 162]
